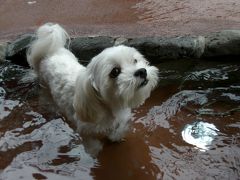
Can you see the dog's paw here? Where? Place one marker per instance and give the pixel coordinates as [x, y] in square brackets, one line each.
[116, 137]
[92, 146]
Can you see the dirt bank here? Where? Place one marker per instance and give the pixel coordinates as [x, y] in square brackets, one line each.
[120, 18]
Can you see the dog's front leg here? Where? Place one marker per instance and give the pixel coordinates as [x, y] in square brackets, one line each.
[118, 132]
[92, 145]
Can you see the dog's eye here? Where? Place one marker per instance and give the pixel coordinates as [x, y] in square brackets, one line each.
[135, 61]
[115, 72]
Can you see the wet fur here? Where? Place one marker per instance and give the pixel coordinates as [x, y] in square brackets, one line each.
[88, 96]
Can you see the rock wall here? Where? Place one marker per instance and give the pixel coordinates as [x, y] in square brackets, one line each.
[156, 49]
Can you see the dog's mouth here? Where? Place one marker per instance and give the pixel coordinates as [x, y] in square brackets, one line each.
[143, 83]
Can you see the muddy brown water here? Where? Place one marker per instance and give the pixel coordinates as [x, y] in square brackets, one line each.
[188, 129]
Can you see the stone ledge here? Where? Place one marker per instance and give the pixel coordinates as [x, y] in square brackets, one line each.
[157, 48]
[16, 50]
[87, 47]
[218, 44]
[3, 47]
[224, 43]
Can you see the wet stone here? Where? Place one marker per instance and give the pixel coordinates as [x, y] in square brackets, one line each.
[156, 49]
[169, 48]
[120, 40]
[224, 43]
[86, 48]
[3, 47]
[16, 51]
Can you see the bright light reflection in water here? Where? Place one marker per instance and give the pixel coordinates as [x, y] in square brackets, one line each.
[200, 134]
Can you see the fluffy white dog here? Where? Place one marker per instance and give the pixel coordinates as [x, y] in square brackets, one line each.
[97, 98]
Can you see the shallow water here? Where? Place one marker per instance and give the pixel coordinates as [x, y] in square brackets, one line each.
[187, 129]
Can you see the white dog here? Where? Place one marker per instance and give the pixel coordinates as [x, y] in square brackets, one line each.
[97, 98]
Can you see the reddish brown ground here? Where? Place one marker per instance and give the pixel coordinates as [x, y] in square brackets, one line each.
[125, 17]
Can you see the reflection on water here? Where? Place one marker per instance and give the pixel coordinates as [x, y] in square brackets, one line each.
[197, 104]
[200, 134]
[159, 115]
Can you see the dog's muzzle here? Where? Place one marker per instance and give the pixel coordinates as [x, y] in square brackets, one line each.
[142, 74]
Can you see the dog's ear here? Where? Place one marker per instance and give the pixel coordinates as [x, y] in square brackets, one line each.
[84, 101]
[93, 83]
[88, 107]
[94, 70]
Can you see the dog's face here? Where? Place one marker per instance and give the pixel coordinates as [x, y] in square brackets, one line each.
[122, 76]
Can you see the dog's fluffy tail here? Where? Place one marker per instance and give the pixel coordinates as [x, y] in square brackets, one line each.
[49, 39]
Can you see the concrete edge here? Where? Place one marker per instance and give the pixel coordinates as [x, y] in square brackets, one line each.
[218, 44]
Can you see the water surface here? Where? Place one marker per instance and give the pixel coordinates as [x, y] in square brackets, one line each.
[187, 129]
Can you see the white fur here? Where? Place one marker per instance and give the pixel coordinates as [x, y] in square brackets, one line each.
[88, 96]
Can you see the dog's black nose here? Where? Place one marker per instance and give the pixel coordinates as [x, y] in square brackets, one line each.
[142, 73]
